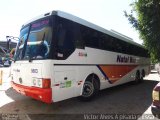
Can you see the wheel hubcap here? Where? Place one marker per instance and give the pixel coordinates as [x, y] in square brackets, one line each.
[88, 89]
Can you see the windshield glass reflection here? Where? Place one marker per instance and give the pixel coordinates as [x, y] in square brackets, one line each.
[37, 44]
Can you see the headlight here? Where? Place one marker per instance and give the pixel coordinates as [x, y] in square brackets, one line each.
[155, 95]
[37, 82]
[34, 81]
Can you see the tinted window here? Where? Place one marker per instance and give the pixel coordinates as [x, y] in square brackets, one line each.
[99, 40]
[71, 35]
[35, 40]
[65, 38]
[79, 42]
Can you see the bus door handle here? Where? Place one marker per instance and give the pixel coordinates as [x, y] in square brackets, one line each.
[65, 78]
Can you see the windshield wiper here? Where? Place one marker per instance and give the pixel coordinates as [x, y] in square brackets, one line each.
[30, 59]
[25, 43]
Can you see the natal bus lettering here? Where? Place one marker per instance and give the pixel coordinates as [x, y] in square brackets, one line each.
[125, 59]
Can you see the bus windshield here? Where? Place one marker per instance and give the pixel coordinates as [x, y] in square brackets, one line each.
[34, 41]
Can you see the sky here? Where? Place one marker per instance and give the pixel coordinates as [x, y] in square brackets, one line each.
[108, 14]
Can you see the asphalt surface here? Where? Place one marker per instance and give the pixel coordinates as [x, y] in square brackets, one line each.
[128, 99]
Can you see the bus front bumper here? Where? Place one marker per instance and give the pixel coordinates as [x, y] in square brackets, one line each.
[44, 95]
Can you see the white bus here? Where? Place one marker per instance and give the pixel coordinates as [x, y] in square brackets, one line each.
[60, 56]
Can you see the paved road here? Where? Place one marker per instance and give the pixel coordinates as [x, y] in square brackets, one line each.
[124, 99]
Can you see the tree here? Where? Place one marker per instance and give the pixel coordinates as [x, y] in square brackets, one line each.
[147, 22]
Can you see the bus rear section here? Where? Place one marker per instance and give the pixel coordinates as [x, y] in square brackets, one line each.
[27, 79]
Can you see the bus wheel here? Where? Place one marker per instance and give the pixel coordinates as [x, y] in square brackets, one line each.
[90, 90]
[143, 73]
[137, 78]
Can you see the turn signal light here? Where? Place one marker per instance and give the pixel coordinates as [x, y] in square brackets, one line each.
[46, 83]
[155, 95]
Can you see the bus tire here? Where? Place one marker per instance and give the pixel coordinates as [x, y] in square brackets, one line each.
[90, 90]
[143, 74]
[137, 77]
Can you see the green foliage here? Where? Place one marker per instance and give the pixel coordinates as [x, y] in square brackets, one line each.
[147, 22]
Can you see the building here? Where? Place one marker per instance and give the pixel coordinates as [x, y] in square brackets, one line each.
[4, 44]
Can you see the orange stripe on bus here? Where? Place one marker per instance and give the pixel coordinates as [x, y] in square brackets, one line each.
[116, 72]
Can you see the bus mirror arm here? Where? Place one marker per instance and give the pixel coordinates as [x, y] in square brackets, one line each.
[12, 38]
[9, 40]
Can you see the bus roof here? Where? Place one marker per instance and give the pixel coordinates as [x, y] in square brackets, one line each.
[85, 23]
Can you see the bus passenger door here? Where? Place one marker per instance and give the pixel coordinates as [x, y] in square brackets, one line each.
[64, 85]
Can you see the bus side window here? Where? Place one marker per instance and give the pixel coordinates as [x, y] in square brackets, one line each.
[61, 35]
[79, 42]
[65, 42]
